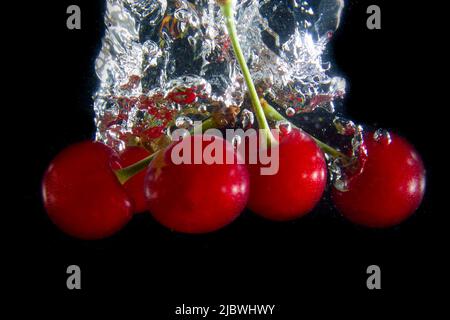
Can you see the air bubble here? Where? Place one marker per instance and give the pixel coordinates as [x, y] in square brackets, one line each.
[382, 135]
[181, 46]
[326, 66]
[284, 126]
[183, 122]
[290, 112]
[343, 126]
[338, 177]
[247, 119]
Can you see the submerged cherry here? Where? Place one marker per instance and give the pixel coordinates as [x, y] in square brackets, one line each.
[297, 186]
[390, 186]
[196, 198]
[81, 193]
[135, 185]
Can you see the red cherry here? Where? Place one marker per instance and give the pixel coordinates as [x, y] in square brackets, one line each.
[135, 185]
[81, 193]
[297, 186]
[196, 198]
[390, 186]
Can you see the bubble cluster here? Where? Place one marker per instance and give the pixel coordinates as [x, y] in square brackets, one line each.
[166, 60]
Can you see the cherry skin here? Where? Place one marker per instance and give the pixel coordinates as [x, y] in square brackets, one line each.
[297, 186]
[135, 185]
[196, 198]
[390, 186]
[81, 193]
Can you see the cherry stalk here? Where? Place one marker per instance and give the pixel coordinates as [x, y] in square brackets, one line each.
[124, 174]
[228, 12]
[272, 114]
[261, 107]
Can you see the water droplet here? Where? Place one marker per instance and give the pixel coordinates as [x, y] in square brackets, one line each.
[338, 179]
[247, 118]
[358, 138]
[326, 66]
[290, 112]
[382, 135]
[344, 126]
[284, 126]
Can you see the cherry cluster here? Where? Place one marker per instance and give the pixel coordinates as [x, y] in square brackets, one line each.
[85, 198]
[90, 191]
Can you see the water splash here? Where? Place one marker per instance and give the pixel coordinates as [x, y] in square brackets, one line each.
[162, 60]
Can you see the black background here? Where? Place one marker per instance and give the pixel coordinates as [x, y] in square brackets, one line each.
[314, 264]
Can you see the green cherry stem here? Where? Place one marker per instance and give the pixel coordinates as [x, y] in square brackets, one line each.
[274, 115]
[228, 13]
[124, 174]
